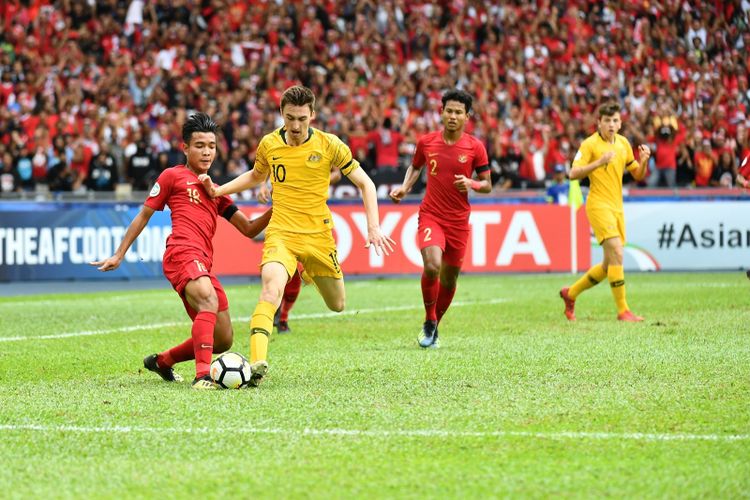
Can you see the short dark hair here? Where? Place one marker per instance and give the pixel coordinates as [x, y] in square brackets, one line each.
[459, 96]
[608, 109]
[298, 96]
[199, 122]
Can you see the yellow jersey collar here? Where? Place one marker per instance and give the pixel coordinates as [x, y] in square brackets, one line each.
[282, 133]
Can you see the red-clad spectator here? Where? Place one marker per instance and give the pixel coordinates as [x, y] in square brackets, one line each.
[666, 148]
[79, 163]
[386, 143]
[704, 163]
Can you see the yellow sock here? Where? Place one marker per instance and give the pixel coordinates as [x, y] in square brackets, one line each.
[261, 325]
[617, 284]
[592, 278]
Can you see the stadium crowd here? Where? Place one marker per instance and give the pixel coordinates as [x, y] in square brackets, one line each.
[93, 93]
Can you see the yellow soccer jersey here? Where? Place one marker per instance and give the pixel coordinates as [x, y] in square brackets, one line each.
[606, 182]
[300, 176]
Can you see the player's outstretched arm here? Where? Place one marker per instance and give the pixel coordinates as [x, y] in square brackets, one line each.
[370, 199]
[251, 228]
[397, 194]
[577, 173]
[644, 153]
[134, 229]
[242, 182]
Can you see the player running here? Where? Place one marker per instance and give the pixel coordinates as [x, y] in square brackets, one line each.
[451, 158]
[299, 159]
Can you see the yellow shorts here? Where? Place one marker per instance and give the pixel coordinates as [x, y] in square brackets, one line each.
[316, 251]
[606, 223]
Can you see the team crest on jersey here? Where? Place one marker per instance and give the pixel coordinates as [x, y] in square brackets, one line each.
[155, 190]
[463, 159]
[314, 157]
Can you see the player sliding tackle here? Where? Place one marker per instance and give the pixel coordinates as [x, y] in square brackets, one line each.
[189, 255]
[299, 160]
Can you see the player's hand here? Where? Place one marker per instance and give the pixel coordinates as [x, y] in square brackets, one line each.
[397, 194]
[462, 183]
[604, 160]
[109, 264]
[264, 194]
[381, 242]
[208, 184]
[644, 152]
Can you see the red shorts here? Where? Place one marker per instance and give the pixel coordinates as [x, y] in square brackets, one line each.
[184, 264]
[452, 240]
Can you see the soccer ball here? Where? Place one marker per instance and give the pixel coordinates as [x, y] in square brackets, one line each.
[231, 371]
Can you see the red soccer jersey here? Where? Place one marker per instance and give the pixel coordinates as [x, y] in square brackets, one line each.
[442, 199]
[194, 212]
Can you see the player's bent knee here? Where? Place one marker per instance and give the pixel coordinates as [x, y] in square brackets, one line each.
[204, 302]
[616, 256]
[209, 303]
[337, 305]
[432, 269]
[271, 295]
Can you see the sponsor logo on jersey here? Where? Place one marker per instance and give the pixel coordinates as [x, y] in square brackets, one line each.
[155, 190]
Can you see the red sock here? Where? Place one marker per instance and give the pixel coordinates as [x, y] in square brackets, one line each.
[291, 292]
[429, 296]
[203, 341]
[177, 354]
[444, 299]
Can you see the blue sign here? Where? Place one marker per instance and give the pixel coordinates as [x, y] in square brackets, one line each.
[37, 243]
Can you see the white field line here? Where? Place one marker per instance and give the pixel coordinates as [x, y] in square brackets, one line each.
[89, 300]
[153, 326]
[426, 433]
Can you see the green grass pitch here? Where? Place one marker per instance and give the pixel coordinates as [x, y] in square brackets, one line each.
[517, 402]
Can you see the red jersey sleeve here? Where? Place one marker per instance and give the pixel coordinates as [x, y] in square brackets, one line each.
[418, 160]
[481, 162]
[159, 194]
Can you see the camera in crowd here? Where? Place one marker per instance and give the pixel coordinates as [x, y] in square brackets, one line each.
[665, 131]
